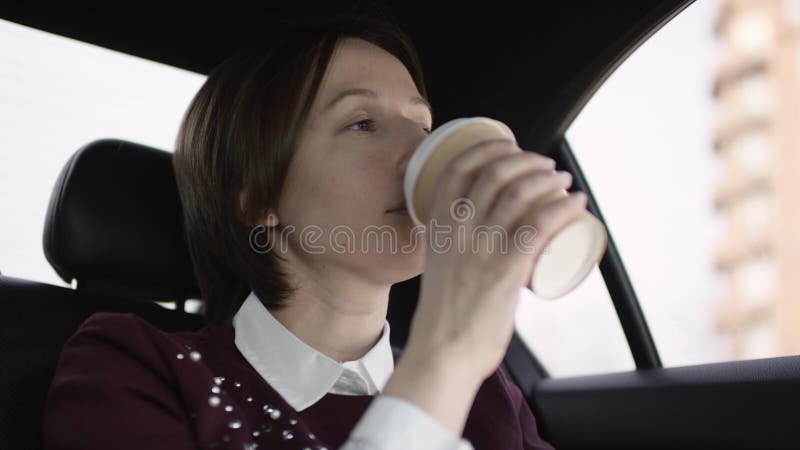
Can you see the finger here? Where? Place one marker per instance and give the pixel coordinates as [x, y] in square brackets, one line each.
[458, 174]
[548, 220]
[523, 194]
[497, 174]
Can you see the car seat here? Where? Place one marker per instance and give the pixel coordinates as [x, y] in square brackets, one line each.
[113, 226]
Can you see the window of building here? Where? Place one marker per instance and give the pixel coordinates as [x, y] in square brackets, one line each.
[791, 9]
[753, 95]
[751, 153]
[754, 281]
[759, 339]
[752, 214]
[751, 32]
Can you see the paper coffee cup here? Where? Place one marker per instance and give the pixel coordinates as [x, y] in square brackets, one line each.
[564, 261]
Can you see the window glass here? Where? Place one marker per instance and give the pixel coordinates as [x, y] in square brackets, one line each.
[56, 95]
[578, 334]
[643, 144]
[691, 150]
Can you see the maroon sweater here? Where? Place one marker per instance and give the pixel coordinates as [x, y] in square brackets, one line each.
[122, 384]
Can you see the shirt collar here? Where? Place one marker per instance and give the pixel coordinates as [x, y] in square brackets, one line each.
[298, 372]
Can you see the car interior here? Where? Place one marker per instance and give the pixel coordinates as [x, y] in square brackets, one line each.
[118, 240]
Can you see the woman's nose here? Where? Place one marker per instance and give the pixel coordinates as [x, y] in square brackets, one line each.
[404, 160]
[409, 147]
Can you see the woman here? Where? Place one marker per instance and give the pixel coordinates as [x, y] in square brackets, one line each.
[288, 158]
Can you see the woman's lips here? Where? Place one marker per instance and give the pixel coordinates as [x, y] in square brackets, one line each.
[400, 209]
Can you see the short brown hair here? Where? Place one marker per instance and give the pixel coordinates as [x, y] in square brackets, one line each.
[240, 130]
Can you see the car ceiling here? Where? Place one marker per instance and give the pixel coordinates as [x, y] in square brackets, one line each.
[530, 64]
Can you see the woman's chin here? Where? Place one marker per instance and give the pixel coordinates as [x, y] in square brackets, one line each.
[403, 266]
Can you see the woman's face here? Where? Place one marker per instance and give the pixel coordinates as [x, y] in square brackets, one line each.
[347, 171]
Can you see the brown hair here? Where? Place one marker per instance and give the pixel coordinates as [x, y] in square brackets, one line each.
[240, 131]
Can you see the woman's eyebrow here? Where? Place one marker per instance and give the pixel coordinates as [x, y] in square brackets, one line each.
[416, 100]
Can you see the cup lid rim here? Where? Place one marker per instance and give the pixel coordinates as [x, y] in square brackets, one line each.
[422, 153]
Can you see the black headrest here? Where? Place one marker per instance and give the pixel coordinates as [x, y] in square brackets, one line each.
[114, 223]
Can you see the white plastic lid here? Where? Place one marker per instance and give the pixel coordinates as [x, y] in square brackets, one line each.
[426, 148]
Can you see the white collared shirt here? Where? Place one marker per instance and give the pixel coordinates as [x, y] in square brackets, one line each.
[302, 376]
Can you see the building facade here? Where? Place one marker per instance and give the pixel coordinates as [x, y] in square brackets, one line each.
[757, 138]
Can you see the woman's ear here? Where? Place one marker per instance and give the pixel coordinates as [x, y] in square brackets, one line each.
[270, 219]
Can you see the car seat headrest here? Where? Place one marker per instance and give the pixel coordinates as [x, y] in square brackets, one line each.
[114, 223]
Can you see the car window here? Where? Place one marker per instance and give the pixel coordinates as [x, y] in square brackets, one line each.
[690, 148]
[577, 334]
[56, 95]
[644, 144]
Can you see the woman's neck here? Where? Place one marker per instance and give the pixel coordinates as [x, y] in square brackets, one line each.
[343, 321]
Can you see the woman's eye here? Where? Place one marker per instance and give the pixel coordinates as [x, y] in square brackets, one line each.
[370, 125]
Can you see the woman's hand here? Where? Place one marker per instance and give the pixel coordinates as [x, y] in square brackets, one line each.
[465, 316]
[470, 286]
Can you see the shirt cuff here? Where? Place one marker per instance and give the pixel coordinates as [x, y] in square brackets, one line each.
[392, 423]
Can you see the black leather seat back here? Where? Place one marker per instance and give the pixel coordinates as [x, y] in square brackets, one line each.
[114, 223]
